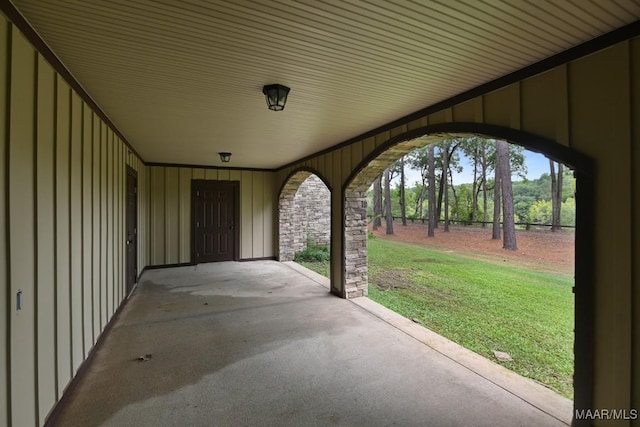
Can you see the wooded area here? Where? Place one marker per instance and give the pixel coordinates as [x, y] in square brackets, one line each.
[436, 200]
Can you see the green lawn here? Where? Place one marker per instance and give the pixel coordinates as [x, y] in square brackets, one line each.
[482, 305]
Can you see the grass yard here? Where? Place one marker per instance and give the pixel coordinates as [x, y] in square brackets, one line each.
[483, 305]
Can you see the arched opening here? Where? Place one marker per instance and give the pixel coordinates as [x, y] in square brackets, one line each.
[355, 251]
[304, 215]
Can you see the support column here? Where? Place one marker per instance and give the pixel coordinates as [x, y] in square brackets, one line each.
[355, 244]
[286, 228]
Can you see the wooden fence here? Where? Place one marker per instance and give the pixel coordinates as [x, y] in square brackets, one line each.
[527, 225]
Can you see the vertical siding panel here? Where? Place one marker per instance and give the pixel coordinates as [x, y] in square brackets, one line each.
[211, 174]
[172, 216]
[198, 173]
[4, 285]
[21, 231]
[87, 227]
[63, 337]
[45, 226]
[235, 175]
[95, 233]
[356, 156]
[321, 169]
[75, 197]
[141, 230]
[328, 164]
[561, 103]
[122, 235]
[246, 209]
[268, 215]
[185, 215]
[258, 213]
[116, 222]
[368, 146]
[602, 113]
[103, 256]
[635, 213]
[346, 163]
[116, 227]
[108, 218]
[223, 174]
[157, 215]
[337, 167]
[144, 236]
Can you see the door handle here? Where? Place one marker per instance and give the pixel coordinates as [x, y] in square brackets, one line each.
[230, 225]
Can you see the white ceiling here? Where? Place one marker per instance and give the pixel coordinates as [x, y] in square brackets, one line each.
[182, 80]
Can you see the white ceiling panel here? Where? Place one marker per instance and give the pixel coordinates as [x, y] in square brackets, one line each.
[182, 80]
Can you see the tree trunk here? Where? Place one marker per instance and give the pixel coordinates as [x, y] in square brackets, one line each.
[377, 203]
[485, 203]
[403, 202]
[560, 173]
[387, 202]
[440, 193]
[508, 222]
[432, 193]
[419, 200]
[497, 189]
[455, 196]
[474, 187]
[556, 195]
[445, 186]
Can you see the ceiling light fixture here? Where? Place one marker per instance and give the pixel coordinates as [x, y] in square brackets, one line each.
[276, 96]
[225, 157]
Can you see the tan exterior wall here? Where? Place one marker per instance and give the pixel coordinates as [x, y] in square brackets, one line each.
[590, 105]
[170, 211]
[62, 203]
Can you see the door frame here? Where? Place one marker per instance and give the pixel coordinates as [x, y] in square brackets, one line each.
[131, 174]
[235, 185]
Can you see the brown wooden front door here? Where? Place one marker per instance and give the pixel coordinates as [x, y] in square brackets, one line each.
[215, 210]
[132, 229]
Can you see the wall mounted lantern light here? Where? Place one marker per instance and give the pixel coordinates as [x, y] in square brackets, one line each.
[225, 157]
[276, 96]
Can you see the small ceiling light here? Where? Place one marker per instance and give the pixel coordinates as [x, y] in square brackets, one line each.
[276, 96]
[225, 157]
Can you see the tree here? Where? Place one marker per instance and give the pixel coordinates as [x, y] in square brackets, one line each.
[508, 223]
[495, 235]
[445, 178]
[484, 164]
[471, 147]
[432, 193]
[377, 203]
[556, 195]
[418, 160]
[403, 200]
[387, 201]
[447, 148]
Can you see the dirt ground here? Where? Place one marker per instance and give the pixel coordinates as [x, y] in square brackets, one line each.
[539, 249]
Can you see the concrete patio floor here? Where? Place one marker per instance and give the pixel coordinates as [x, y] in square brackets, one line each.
[264, 344]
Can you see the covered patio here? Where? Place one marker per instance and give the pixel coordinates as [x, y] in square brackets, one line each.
[264, 343]
[123, 123]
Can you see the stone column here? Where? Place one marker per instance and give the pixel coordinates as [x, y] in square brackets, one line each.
[286, 228]
[355, 243]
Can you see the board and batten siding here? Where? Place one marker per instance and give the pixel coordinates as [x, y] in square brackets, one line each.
[62, 203]
[170, 212]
